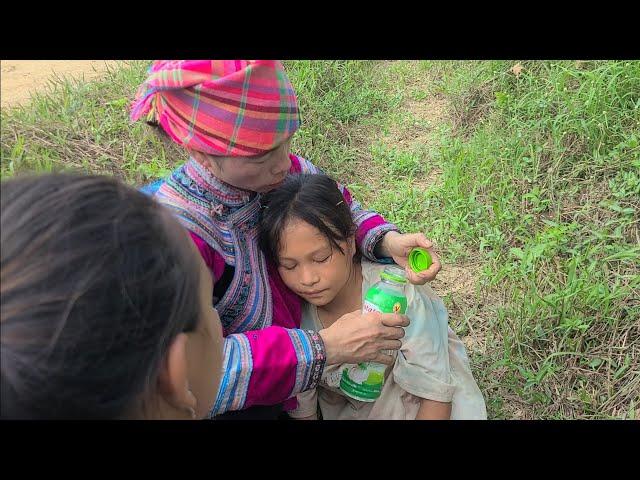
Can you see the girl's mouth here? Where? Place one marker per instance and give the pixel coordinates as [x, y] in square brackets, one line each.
[317, 293]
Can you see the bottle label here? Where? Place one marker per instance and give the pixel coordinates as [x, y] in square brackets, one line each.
[368, 307]
[365, 381]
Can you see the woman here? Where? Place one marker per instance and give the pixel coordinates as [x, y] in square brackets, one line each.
[106, 305]
[235, 119]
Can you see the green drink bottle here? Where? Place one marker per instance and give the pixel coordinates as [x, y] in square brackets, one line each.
[364, 381]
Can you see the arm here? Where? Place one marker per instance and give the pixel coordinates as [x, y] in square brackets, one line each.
[422, 367]
[263, 367]
[269, 366]
[379, 240]
[432, 410]
[266, 367]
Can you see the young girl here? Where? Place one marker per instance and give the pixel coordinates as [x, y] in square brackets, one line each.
[235, 118]
[307, 230]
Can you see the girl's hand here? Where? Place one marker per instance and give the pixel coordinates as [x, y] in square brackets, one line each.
[397, 246]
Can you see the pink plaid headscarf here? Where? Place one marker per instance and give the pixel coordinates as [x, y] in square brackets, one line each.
[238, 108]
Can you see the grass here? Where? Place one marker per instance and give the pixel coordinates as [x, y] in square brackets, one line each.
[528, 181]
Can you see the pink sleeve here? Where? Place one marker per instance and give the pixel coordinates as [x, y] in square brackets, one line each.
[267, 367]
[273, 354]
[213, 259]
[296, 167]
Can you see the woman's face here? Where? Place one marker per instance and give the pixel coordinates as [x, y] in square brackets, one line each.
[204, 345]
[256, 174]
[309, 265]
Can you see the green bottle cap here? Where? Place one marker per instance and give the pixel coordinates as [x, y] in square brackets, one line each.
[419, 259]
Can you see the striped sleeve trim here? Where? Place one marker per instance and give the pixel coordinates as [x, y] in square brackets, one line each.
[371, 240]
[237, 367]
[312, 358]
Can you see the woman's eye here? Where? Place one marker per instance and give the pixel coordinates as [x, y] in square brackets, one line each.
[288, 268]
[324, 259]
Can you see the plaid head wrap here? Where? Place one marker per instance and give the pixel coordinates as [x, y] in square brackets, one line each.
[238, 108]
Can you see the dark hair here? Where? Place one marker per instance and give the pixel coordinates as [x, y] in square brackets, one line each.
[312, 198]
[156, 127]
[95, 285]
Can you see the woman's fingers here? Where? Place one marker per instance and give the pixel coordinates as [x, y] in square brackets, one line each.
[394, 320]
[384, 359]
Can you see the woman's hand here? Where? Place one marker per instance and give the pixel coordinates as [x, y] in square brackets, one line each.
[359, 337]
[398, 245]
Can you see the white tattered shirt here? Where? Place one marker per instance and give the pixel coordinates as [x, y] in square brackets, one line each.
[431, 364]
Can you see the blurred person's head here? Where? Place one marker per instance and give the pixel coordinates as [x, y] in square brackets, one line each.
[105, 305]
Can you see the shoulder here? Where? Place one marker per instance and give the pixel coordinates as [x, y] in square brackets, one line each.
[370, 272]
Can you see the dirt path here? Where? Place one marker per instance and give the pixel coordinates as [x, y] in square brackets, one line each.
[21, 77]
[468, 307]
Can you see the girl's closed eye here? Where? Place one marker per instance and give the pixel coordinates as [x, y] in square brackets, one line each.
[288, 266]
[323, 260]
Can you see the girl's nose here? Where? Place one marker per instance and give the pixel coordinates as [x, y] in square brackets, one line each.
[308, 277]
